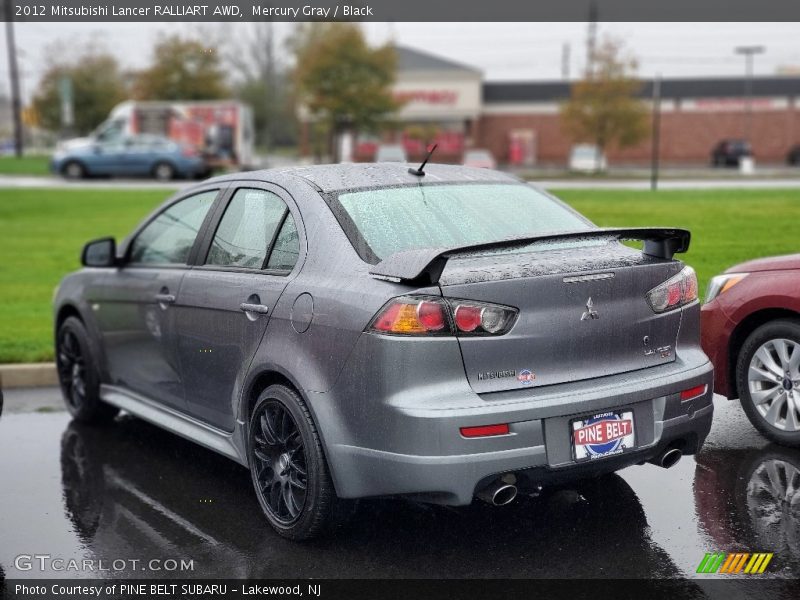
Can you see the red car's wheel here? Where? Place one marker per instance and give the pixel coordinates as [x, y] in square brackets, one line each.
[768, 378]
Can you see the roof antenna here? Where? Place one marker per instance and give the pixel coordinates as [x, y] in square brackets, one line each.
[419, 172]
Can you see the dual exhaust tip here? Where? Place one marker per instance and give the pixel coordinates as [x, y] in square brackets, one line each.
[500, 492]
[670, 458]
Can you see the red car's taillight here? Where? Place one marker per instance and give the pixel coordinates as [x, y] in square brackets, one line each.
[425, 315]
[675, 292]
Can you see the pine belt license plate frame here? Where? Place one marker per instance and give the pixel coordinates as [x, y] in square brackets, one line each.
[618, 435]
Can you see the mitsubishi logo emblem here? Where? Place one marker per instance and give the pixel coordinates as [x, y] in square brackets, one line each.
[590, 313]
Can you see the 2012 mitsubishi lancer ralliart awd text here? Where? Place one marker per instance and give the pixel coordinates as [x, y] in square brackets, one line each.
[364, 330]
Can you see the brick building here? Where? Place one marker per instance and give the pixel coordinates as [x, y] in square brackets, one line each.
[519, 122]
[695, 115]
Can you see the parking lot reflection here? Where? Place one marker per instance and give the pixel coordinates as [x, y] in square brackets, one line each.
[749, 500]
[133, 491]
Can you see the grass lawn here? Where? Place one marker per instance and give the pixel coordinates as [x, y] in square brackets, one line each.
[728, 226]
[27, 165]
[42, 232]
[41, 236]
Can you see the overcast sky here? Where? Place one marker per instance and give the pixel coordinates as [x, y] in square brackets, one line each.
[504, 51]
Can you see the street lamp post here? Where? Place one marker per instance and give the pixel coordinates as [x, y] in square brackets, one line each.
[748, 52]
[13, 73]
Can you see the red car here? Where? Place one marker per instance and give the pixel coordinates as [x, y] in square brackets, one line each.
[751, 332]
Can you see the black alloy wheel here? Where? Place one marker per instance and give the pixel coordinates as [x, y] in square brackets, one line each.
[77, 374]
[281, 471]
[71, 369]
[287, 463]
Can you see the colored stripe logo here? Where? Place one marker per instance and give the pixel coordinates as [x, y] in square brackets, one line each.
[735, 562]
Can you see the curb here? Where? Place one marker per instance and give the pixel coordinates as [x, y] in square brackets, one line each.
[28, 375]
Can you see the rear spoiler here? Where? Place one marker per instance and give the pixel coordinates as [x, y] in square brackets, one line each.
[425, 265]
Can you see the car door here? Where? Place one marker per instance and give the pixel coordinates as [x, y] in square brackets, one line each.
[105, 158]
[227, 299]
[136, 156]
[134, 310]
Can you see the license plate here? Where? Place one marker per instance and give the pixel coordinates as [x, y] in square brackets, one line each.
[602, 435]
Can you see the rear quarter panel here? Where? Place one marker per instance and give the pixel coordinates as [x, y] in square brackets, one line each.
[344, 298]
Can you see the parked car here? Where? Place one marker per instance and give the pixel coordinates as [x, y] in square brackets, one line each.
[391, 153]
[134, 156]
[751, 331]
[479, 159]
[7, 147]
[729, 153]
[793, 158]
[585, 158]
[362, 330]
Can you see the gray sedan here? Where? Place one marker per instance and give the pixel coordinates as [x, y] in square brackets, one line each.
[350, 331]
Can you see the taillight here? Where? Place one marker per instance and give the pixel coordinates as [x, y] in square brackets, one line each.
[479, 318]
[425, 315]
[675, 292]
[189, 151]
[412, 316]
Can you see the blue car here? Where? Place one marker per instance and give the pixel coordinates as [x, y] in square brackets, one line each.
[134, 156]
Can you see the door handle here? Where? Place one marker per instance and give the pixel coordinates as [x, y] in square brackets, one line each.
[254, 308]
[165, 298]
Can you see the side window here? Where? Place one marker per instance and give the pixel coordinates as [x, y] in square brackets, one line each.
[286, 248]
[169, 238]
[246, 229]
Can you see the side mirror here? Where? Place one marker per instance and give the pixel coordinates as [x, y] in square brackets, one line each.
[100, 253]
[97, 149]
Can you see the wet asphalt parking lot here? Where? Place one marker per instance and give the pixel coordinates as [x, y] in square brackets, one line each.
[131, 491]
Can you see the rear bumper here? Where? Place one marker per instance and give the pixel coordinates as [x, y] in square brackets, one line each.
[428, 457]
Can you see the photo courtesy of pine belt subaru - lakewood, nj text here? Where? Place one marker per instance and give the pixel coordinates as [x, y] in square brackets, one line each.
[352, 331]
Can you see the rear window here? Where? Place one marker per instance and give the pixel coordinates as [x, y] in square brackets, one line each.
[383, 221]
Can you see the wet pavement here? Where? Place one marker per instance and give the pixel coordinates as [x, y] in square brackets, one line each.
[131, 491]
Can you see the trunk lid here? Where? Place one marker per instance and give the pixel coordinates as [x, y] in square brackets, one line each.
[583, 313]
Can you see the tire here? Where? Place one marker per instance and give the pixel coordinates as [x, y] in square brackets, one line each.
[164, 171]
[78, 376]
[778, 391]
[74, 170]
[282, 434]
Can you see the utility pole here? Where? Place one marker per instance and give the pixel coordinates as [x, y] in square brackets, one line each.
[748, 52]
[13, 73]
[591, 38]
[565, 58]
[269, 85]
[656, 135]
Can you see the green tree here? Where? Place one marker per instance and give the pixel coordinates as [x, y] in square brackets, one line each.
[182, 69]
[341, 81]
[97, 86]
[603, 108]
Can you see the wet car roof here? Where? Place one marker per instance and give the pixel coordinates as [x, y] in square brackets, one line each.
[330, 178]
